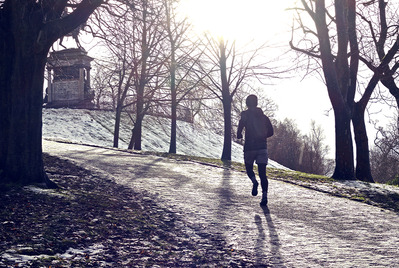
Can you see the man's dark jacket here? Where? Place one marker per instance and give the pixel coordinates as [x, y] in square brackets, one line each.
[254, 120]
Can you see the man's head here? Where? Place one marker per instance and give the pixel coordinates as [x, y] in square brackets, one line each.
[252, 101]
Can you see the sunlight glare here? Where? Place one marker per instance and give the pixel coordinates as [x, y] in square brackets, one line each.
[238, 19]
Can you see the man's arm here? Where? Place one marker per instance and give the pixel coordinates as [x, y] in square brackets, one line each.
[240, 128]
[270, 130]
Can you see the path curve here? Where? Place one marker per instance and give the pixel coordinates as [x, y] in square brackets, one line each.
[300, 227]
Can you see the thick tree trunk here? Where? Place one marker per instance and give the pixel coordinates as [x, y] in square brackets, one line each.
[21, 116]
[117, 124]
[21, 121]
[226, 100]
[21, 93]
[227, 143]
[340, 80]
[6, 60]
[135, 141]
[363, 169]
[138, 134]
[344, 162]
[172, 146]
[173, 128]
[132, 138]
[28, 29]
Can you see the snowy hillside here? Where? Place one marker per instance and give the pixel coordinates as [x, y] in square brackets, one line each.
[96, 128]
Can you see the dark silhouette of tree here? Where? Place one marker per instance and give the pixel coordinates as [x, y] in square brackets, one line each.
[335, 44]
[340, 74]
[28, 29]
[379, 48]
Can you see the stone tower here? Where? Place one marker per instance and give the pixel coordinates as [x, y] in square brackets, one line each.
[69, 79]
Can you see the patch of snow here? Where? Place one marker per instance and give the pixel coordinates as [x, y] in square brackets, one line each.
[10, 255]
[71, 253]
[52, 192]
[365, 186]
[386, 187]
[92, 250]
[95, 127]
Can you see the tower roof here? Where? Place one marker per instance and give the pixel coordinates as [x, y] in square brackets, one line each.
[69, 57]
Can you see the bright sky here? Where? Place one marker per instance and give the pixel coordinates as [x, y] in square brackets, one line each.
[266, 20]
[244, 20]
[238, 19]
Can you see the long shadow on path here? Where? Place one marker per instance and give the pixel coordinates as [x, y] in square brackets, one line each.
[261, 248]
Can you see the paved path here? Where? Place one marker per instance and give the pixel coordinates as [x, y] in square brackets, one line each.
[300, 227]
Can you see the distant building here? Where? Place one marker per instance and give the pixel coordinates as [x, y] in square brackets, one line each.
[69, 79]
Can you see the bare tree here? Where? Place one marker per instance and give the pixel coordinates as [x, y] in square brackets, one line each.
[335, 43]
[104, 85]
[100, 88]
[313, 157]
[379, 49]
[27, 31]
[184, 55]
[306, 153]
[228, 70]
[114, 27]
[285, 145]
[340, 74]
[385, 154]
[149, 65]
[133, 36]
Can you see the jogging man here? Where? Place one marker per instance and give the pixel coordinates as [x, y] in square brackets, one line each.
[257, 129]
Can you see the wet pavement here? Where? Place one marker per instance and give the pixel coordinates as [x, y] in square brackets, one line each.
[299, 228]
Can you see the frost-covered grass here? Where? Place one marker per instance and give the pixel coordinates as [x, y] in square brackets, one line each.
[196, 143]
[95, 127]
[377, 194]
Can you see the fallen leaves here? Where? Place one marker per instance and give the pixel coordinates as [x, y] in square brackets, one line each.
[93, 222]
